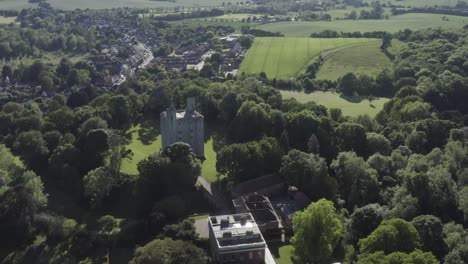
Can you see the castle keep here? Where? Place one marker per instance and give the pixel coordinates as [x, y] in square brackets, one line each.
[184, 125]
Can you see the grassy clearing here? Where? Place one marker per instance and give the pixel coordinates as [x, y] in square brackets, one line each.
[283, 58]
[366, 58]
[394, 24]
[7, 20]
[141, 149]
[350, 106]
[281, 252]
[146, 140]
[209, 165]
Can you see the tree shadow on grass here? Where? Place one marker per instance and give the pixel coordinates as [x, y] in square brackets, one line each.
[353, 99]
[149, 131]
[275, 246]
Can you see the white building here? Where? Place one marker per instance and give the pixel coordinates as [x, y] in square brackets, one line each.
[237, 239]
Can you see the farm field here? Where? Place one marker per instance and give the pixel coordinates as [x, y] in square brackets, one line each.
[237, 17]
[394, 24]
[352, 107]
[283, 58]
[366, 58]
[209, 22]
[151, 143]
[102, 4]
[421, 3]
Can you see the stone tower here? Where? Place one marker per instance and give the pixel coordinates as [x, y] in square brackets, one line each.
[186, 125]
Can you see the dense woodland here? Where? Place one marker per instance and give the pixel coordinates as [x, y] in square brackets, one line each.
[393, 189]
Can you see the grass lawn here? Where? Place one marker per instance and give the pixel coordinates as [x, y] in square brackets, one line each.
[6, 20]
[209, 165]
[281, 252]
[366, 58]
[283, 58]
[394, 24]
[351, 107]
[141, 149]
[146, 140]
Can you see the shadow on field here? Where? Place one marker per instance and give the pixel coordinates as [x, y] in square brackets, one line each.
[149, 130]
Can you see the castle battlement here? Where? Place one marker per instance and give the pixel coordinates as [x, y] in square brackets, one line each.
[184, 125]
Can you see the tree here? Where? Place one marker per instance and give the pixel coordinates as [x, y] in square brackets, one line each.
[377, 143]
[63, 119]
[317, 231]
[313, 146]
[348, 84]
[169, 251]
[309, 173]
[184, 230]
[389, 237]
[364, 220]
[386, 42]
[463, 202]
[351, 137]
[97, 184]
[416, 256]
[430, 230]
[300, 126]
[252, 121]
[249, 160]
[176, 169]
[358, 183]
[32, 148]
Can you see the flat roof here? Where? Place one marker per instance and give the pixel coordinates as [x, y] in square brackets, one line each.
[236, 231]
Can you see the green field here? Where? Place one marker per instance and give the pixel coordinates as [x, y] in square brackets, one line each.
[102, 4]
[394, 24]
[141, 149]
[284, 58]
[7, 20]
[284, 255]
[366, 58]
[143, 144]
[421, 3]
[208, 22]
[350, 106]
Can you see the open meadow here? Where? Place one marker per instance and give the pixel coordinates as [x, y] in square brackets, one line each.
[420, 3]
[284, 58]
[366, 58]
[107, 4]
[353, 107]
[145, 141]
[394, 24]
[7, 20]
[213, 22]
